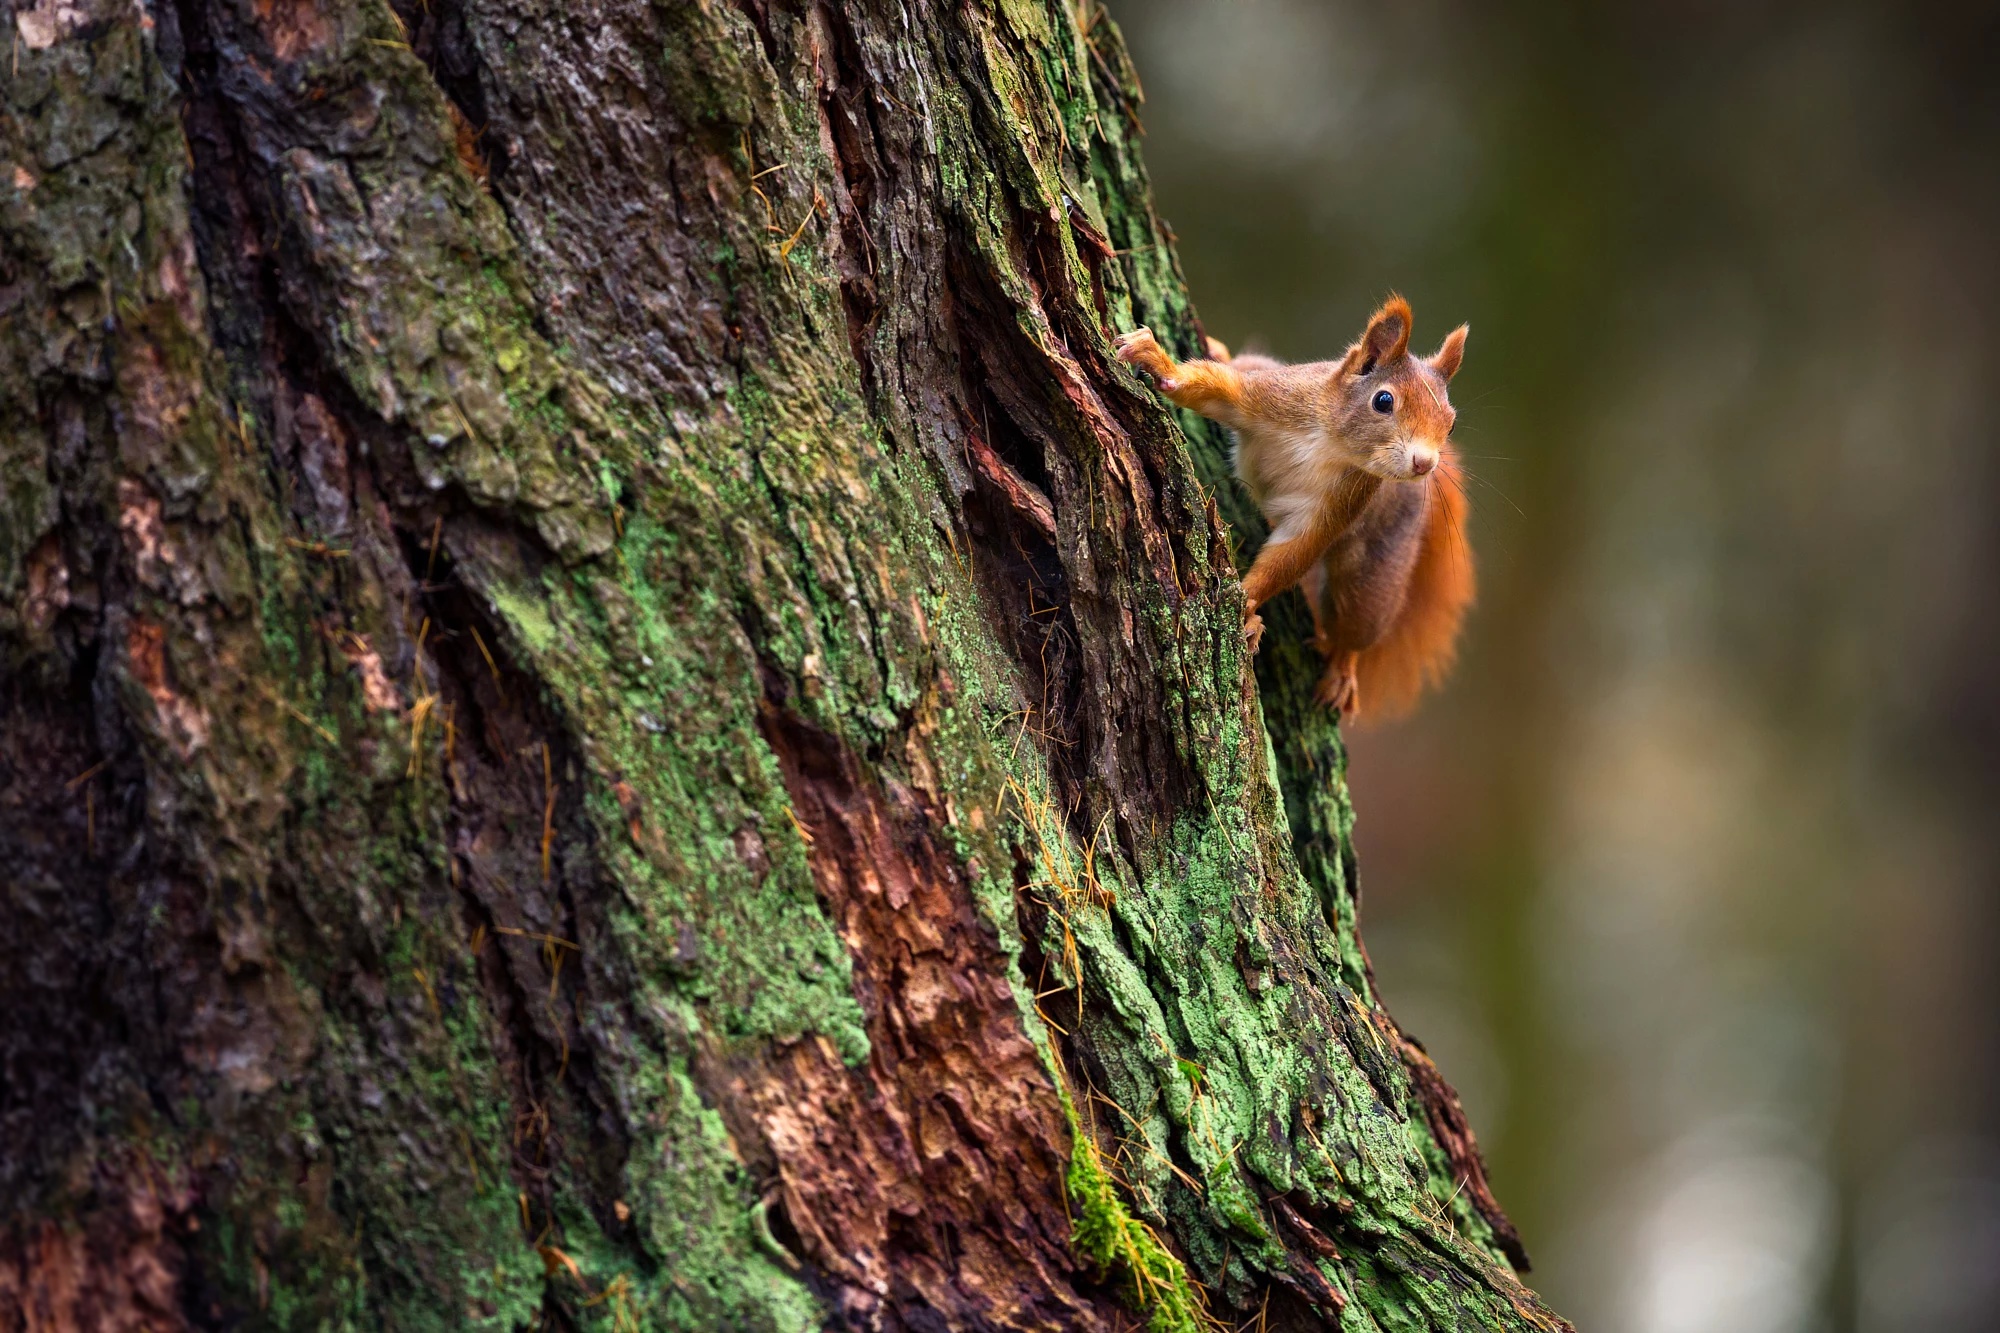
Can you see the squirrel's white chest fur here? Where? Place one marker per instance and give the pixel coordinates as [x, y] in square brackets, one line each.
[1287, 470]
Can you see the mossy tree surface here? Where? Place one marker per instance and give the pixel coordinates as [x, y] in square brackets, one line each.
[613, 715]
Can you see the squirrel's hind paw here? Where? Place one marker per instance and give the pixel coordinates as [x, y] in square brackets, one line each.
[1340, 690]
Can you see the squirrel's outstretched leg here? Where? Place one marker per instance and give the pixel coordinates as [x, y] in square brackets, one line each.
[1292, 549]
[1300, 539]
[1212, 388]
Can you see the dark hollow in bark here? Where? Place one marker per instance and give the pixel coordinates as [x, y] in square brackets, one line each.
[613, 715]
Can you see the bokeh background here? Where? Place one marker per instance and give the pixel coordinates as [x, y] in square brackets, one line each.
[1689, 879]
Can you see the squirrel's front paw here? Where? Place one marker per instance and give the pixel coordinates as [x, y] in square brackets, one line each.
[1131, 346]
[1253, 632]
[1139, 348]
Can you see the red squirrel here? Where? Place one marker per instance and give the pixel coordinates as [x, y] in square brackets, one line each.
[1352, 463]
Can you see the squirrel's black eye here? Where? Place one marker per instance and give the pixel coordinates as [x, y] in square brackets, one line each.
[1385, 401]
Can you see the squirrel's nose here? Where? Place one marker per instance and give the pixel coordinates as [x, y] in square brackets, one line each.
[1422, 460]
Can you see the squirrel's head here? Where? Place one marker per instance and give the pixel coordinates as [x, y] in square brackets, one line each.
[1391, 410]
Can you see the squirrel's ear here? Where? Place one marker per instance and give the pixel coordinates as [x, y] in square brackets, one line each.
[1445, 360]
[1388, 335]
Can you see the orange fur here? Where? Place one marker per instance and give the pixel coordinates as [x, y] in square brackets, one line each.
[1420, 647]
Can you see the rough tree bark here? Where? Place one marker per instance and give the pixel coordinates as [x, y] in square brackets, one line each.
[616, 717]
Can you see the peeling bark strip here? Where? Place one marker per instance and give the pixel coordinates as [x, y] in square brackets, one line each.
[613, 715]
[931, 1177]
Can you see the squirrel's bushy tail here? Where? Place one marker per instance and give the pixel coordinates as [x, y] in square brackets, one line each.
[1419, 648]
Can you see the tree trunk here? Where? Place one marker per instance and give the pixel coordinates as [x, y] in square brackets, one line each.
[615, 716]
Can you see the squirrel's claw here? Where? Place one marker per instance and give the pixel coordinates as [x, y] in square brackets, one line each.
[1253, 632]
[1339, 689]
[1140, 349]
[1131, 346]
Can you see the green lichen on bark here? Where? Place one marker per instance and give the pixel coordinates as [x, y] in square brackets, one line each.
[631, 685]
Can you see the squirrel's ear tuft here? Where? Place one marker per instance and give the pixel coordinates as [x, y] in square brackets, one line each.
[1445, 360]
[1388, 335]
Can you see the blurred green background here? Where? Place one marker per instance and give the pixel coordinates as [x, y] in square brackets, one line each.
[1688, 879]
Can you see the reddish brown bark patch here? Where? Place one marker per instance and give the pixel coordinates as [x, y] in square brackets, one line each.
[925, 1185]
[117, 1271]
[182, 721]
[293, 27]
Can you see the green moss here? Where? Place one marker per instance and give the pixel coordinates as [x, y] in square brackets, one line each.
[1150, 1279]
